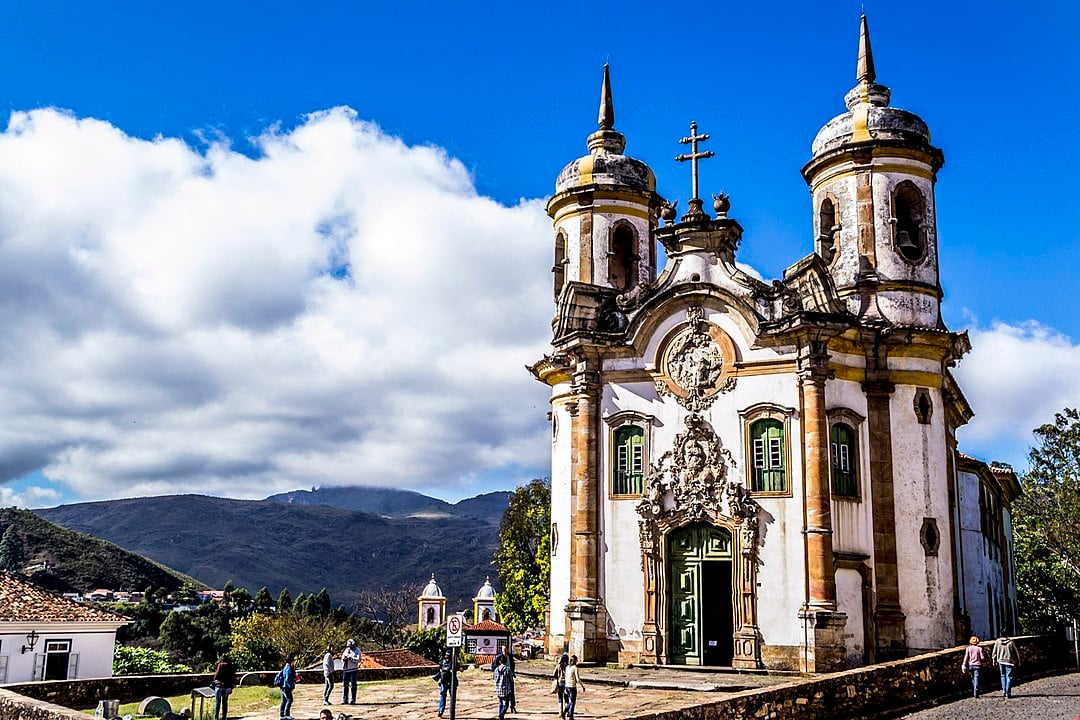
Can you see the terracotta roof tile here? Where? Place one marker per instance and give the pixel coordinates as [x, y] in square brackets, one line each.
[22, 601]
[486, 626]
[393, 658]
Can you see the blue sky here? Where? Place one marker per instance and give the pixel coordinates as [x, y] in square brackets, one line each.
[485, 103]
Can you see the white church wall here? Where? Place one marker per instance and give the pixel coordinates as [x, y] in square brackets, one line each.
[849, 600]
[602, 225]
[985, 591]
[920, 491]
[560, 513]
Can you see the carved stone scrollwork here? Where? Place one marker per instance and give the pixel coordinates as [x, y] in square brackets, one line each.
[689, 484]
[697, 367]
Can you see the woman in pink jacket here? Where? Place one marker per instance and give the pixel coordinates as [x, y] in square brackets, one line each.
[974, 657]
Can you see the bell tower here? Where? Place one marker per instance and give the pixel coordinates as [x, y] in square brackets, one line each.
[872, 179]
[604, 211]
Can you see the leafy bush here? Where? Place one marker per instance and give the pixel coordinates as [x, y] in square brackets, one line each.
[429, 643]
[144, 661]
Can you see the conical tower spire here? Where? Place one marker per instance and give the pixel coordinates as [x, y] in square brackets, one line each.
[865, 72]
[606, 139]
[607, 108]
[867, 91]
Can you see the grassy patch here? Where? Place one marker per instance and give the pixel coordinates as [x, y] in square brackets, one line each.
[243, 701]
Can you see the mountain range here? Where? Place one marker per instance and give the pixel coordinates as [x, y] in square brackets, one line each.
[344, 539]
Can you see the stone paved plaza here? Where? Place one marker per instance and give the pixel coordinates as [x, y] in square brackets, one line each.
[1052, 698]
[609, 693]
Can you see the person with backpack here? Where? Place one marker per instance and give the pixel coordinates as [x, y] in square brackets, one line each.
[504, 684]
[445, 678]
[286, 680]
[350, 668]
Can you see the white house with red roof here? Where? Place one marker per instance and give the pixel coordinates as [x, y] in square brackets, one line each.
[45, 636]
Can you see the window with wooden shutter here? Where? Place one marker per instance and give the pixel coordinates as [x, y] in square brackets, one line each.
[842, 447]
[629, 461]
[770, 464]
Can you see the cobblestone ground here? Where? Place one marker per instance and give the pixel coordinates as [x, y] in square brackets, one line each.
[603, 698]
[1053, 698]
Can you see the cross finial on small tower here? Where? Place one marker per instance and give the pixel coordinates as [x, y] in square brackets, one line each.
[864, 73]
[606, 120]
[693, 156]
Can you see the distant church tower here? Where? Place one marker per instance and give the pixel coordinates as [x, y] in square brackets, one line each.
[747, 473]
[484, 603]
[432, 606]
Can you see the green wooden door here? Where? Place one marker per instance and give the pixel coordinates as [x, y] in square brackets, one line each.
[688, 548]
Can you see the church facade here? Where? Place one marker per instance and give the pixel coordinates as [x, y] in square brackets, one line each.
[746, 473]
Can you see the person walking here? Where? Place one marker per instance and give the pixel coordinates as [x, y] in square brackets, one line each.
[445, 677]
[560, 682]
[504, 682]
[1006, 656]
[974, 657]
[328, 674]
[350, 668]
[288, 684]
[223, 683]
[573, 686]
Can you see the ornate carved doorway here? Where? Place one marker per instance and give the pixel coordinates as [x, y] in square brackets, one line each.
[702, 611]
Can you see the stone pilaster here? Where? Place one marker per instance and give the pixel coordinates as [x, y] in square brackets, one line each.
[822, 649]
[891, 639]
[585, 617]
[819, 549]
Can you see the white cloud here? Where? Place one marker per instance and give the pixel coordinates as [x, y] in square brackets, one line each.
[341, 309]
[1016, 378]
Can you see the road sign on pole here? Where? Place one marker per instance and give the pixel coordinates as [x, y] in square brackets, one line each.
[454, 631]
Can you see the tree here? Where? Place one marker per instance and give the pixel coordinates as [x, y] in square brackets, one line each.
[321, 603]
[263, 599]
[227, 593]
[11, 550]
[144, 661]
[383, 614]
[1046, 526]
[284, 601]
[523, 558]
[241, 600]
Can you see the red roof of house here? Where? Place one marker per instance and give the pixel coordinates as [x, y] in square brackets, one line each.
[486, 626]
[22, 601]
[393, 659]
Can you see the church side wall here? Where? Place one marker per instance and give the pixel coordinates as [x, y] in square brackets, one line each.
[982, 566]
[560, 519]
[920, 491]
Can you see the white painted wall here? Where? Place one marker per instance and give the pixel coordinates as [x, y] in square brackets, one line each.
[560, 514]
[91, 649]
[920, 490]
[849, 600]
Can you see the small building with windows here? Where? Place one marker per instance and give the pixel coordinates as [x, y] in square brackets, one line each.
[45, 636]
[750, 473]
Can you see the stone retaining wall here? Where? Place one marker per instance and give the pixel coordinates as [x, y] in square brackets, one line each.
[879, 691]
[133, 688]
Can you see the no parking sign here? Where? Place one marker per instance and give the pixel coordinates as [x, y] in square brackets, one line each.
[454, 631]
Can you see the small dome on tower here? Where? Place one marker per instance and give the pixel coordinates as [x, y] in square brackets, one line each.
[431, 590]
[605, 164]
[486, 592]
[869, 117]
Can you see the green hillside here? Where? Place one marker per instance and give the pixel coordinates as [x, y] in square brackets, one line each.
[75, 562]
[286, 542]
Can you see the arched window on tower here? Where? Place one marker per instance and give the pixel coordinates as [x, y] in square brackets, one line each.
[430, 617]
[622, 257]
[828, 229]
[909, 215]
[559, 268]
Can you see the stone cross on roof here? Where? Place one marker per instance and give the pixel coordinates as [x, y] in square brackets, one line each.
[693, 156]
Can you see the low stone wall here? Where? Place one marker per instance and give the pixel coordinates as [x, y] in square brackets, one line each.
[18, 707]
[879, 691]
[133, 688]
